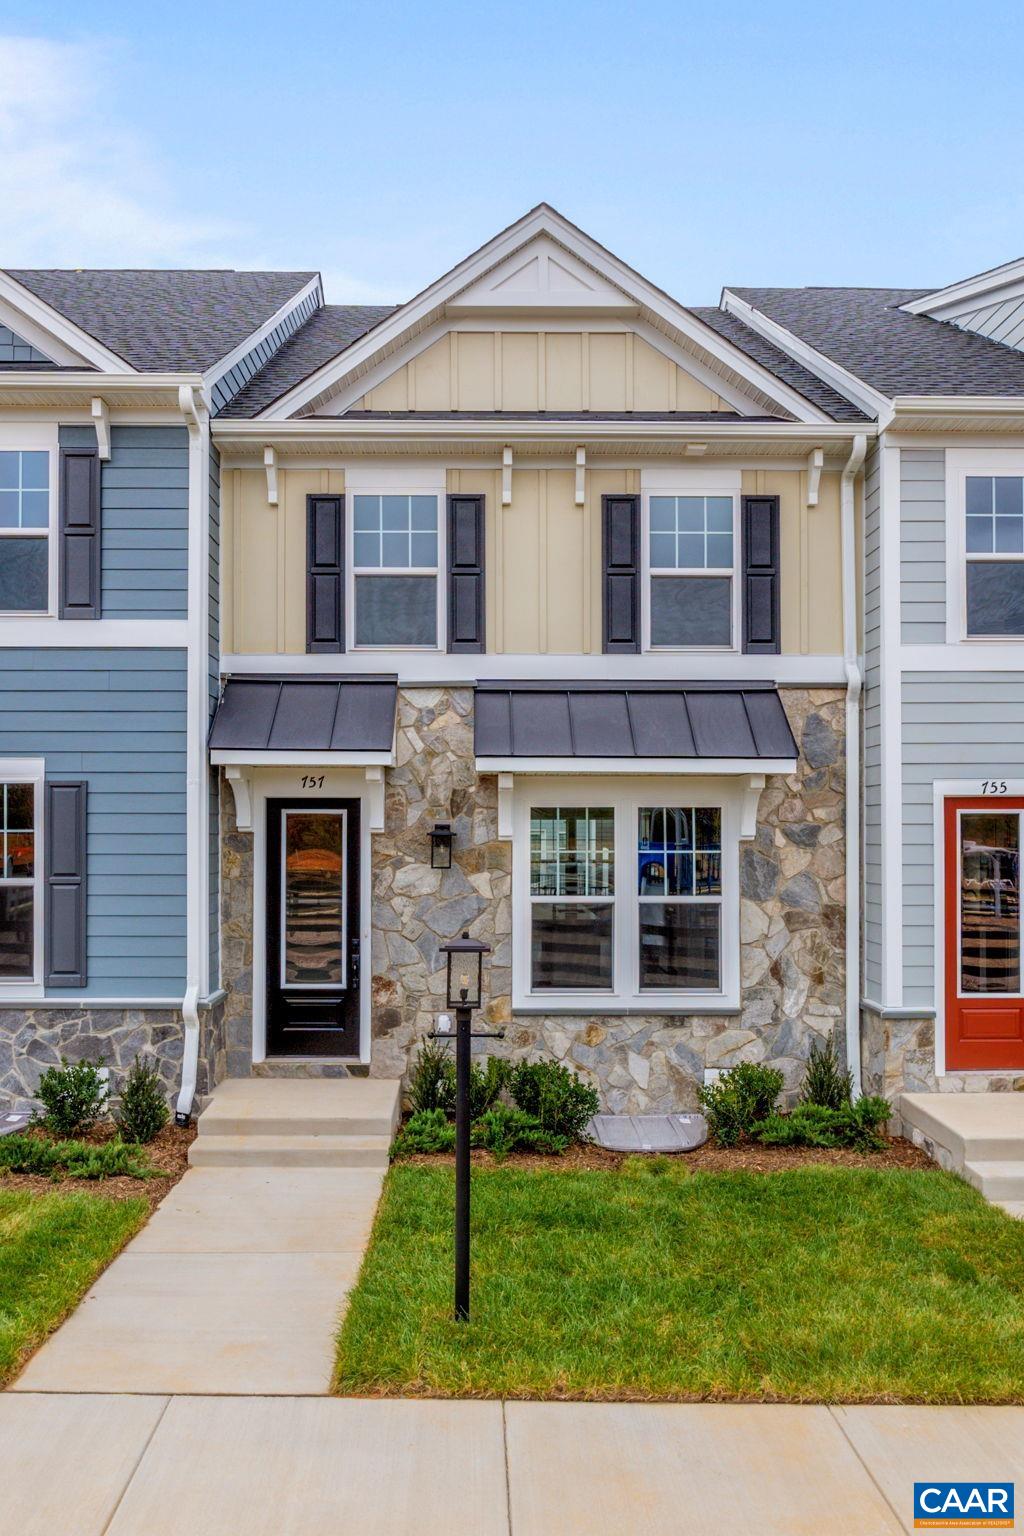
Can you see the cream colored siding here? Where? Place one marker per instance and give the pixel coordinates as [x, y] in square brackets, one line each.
[540, 371]
[811, 595]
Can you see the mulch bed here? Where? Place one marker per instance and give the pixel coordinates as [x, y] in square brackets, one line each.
[167, 1153]
[749, 1157]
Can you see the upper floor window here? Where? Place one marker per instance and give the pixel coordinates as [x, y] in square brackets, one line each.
[396, 591]
[691, 559]
[24, 530]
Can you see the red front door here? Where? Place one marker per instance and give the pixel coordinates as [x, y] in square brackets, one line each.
[984, 986]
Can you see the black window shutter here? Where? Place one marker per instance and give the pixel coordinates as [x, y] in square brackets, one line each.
[466, 573]
[761, 575]
[79, 533]
[325, 568]
[64, 919]
[620, 537]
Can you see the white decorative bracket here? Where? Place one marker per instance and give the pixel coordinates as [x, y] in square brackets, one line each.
[751, 795]
[695, 450]
[240, 779]
[815, 460]
[581, 476]
[506, 477]
[101, 421]
[506, 784]
[375, 798]
[270, 465]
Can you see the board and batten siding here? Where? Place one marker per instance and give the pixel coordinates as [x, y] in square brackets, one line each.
[923, 546]
[956, 725]
[874, 916]
[116, 718]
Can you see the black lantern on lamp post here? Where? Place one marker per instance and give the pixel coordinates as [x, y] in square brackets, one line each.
[465, 959]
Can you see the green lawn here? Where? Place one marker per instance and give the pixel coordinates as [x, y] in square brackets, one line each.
[831, 1284]
[51, 1249]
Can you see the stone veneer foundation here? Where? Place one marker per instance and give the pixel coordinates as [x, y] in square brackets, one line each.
[898, 1056]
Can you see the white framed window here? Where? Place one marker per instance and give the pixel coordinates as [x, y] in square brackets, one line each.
[396, 596]
[27, 533]
[691, 545]
[625, 895]
[984, 546]
[21, 874]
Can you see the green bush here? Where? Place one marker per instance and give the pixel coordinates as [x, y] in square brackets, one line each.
[485, 1085]
[825, 1082]
[72, 1159]
[142, 1109]
[504, 1129]
[742, 1096]
[559, 1101]
[73, 1095]
[854, 1125]
[429, 1130]
[432, 1079]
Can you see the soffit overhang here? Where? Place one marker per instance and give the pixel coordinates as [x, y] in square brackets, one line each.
[976, 414]
[73, 390]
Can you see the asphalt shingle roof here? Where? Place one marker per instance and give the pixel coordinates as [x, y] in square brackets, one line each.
[162, 321]
[865, 331]
[327, 332]
[732, 328]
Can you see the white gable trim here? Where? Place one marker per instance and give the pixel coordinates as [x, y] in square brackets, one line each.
[847, 384]
[51, 332]
[429, 306]
[998, 283]
[544, 277]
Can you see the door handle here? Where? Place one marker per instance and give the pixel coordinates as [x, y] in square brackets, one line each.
[353, 964]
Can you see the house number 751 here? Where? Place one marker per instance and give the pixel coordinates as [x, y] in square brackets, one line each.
[312, 781]
[993, 786]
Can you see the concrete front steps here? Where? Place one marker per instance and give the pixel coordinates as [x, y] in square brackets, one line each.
[298, 1123]
[978, 1135]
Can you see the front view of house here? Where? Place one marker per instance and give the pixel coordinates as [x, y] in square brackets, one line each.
[673, 652]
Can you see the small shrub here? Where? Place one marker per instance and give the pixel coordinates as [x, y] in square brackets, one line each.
[741, 1098]
[73, 1095]
[72, 1159]
[432, 1080]
[504, 1129]
[825, 1082]
[429, 1130]
[142, 1110]
[561, 1102]
[854, 1125]
[485, 1085]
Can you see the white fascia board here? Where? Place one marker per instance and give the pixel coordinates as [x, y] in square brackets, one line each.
[855, 390]
[225, 364]
[983, 285]
[572, 430]
[53, 324]
[973, 405]
[541, 220]
[689, 767]
[299, 757]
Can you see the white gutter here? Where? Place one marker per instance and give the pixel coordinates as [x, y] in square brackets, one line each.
[231, 432]
[193, 409]
[854, 682]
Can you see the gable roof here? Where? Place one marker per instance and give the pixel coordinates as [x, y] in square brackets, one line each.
[327, 332]
[164, 321]
[866, 331]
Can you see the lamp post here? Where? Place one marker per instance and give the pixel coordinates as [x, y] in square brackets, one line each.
[465, 959]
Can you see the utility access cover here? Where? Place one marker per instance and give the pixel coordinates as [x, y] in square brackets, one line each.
[649, 1133]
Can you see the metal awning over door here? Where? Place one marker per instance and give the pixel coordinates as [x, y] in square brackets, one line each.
[285, 719]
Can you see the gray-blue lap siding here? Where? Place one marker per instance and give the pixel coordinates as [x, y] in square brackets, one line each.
[116, 718]
[144, 506]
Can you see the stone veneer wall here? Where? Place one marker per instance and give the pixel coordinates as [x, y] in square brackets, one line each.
[898, 1056]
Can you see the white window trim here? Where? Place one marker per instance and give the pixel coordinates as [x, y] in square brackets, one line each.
[30, 770]
[625, 799]
[650, 575]
[352, 570]
[36, 437]
[959, 464]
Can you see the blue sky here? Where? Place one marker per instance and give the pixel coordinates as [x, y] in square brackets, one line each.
[746, 143]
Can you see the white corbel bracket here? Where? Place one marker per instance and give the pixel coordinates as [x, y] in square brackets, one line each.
[506, 477]
[752, 787]
[101, 421]
[240, 780]
[270, 465]
[581, 476]
[375, 798]
[506, 784]
[815, 460]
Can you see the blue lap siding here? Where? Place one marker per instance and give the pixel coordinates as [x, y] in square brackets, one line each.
[116, 718]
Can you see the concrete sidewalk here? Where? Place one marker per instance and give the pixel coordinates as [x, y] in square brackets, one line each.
[120, 1466]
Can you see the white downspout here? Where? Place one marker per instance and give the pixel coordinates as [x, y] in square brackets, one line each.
[193, 408]
[854, 681]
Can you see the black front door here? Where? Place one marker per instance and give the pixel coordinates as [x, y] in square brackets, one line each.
[313, 928]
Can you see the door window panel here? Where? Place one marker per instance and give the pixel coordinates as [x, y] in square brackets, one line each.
[989, 902]
[17, 882]
[313, 899]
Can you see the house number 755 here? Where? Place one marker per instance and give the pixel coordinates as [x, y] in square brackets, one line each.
[312, 781]
[993, 786]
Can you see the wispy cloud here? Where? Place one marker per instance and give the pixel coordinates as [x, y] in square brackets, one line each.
[79, 188]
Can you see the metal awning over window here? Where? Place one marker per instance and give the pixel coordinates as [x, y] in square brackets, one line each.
[326, 720]
[644, 727]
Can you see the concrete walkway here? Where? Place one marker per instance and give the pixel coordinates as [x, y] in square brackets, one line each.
[978, 1135]
[118, 1466]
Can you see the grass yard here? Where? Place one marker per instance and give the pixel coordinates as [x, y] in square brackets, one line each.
[818, 1284]
[52, 1246]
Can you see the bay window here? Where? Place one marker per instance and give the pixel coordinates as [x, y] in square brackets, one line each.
[691, 545]
[395, 568]
[24, 530]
